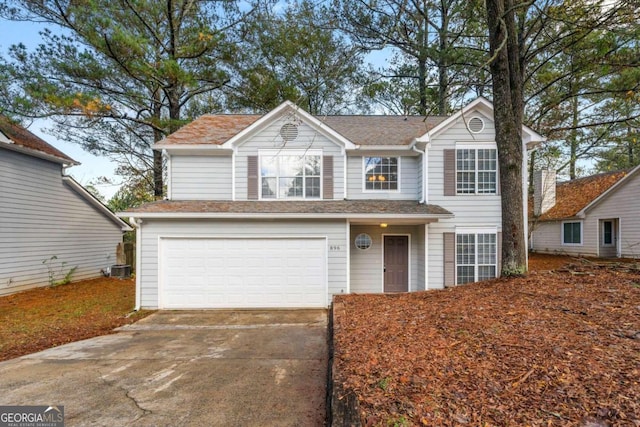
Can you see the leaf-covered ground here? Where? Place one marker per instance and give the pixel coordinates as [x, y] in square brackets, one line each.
[46, 317]
[556, 348]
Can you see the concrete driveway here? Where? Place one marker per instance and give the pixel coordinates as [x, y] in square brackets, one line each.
[199, 368]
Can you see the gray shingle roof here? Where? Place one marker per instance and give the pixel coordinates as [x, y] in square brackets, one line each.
[361, 130]
[22, 137]
[320, 207]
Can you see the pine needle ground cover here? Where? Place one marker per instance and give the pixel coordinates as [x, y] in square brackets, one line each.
[556, 348]
[41, 318]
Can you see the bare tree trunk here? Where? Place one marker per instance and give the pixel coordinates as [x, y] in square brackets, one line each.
[443, 61]
[422, 87]
[573, 136]
[506, 71]
[158, 182]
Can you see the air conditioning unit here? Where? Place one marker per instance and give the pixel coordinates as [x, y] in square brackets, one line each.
[121, 271]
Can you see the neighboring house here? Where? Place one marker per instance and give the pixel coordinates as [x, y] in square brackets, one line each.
[288, 209]
[596, 216]
[46, 215]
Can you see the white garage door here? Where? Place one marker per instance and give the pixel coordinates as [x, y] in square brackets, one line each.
[243, 273]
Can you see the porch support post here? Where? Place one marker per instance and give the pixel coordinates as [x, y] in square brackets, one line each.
[348, 231]
[426, 256]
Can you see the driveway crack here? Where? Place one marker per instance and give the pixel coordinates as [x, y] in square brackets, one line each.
[135, 402]
[127, 393]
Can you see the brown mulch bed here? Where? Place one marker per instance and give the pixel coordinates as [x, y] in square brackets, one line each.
[559, 348]
[46, 317]
[545, 262]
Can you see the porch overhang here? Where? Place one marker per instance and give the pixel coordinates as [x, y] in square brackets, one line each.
[356, 211]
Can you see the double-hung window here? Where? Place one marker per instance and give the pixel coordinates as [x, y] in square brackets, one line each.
[291, 174]
[476, 257]
[476, 171]
[572, 233]
[381, 173]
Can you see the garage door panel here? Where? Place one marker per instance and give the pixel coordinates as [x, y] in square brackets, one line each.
[239, 273]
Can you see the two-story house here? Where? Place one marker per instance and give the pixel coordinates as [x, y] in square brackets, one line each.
[288, 209]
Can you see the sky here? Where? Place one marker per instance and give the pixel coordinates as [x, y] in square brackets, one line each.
[91, 167]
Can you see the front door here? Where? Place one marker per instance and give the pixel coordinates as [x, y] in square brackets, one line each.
[396, 263]
[608, 238]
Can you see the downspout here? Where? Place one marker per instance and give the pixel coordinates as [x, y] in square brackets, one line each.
[137, 225]
[424, 169]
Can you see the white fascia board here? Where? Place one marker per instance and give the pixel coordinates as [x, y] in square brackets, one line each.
[582, 213]
[234, 215]
[39, 154]
[279, 111]
[363, 149]
[194, 149]
[95, 202]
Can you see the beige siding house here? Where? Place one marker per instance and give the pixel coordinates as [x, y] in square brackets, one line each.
[595, 216]
[46, 215]
[288, 209]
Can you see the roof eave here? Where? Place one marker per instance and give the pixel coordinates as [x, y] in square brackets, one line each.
[39, 154]
[279, 215]
[608, 191]
[204, 149]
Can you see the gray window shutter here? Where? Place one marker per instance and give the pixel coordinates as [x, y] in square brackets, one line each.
[449, 259]
[449, 172]
[253, 179]
[327, 177]
[499, 254]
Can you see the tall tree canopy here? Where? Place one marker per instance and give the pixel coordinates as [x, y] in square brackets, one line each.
[524, 38]
[292, 54]
[121, 74]
[435, 41]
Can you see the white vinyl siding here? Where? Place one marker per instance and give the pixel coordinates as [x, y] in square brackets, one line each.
[200, 177]
[409, 185]
[269, 138]
[366, 266]
[470, 210]
[42, 217]
[154, 230]
[547, 238]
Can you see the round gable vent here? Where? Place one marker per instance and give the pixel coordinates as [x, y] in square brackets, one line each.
[289, 132]
[475, 124]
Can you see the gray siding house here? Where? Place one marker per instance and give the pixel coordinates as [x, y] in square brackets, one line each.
[595, 216]
[288, 209]
[45, 214]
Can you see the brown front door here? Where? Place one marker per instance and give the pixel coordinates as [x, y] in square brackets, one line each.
[396, 263]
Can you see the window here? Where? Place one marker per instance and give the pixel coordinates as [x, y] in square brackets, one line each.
[476, 171]
[286, 175]
[571, 233]
[381, 173]
[607, 233]
[363, 241]
[476, 257]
